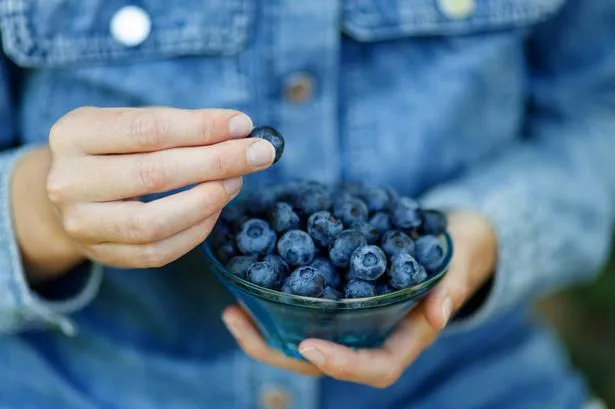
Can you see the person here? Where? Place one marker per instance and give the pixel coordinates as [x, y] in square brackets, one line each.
[124, 136]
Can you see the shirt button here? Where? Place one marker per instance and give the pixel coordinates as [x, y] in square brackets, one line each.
[299, 87]
[130, 26]
[274, 397]
[456, 9]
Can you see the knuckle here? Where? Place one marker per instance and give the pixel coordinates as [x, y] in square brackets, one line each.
[153, 256]
[388, 379]
[57, 187]
[151, 173]
[142, 228]
[206, 127]
[217, 163]
[147, 130]
[73, 223]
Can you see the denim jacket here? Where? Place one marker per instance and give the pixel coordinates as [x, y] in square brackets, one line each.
[501, 106]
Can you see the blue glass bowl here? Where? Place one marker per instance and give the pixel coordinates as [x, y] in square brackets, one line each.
[285, 320]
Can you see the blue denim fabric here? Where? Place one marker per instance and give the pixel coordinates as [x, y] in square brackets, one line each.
[507, 110]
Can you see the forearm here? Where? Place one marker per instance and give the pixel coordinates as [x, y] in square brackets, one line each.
[45, 249]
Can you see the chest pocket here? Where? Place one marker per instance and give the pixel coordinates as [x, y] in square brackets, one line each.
[374, 20]
[60, 32]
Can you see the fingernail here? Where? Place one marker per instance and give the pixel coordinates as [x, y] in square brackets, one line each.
[314, 355]
[232, 186]
[239, 126]
[447, 308]
[260, 153]
[232, 326]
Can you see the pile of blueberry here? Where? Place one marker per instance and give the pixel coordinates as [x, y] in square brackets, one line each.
[346, 241]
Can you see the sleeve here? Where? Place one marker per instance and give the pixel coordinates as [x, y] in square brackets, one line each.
[22, 308]
[551, 195]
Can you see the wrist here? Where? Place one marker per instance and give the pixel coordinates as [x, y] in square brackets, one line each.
[46, 250]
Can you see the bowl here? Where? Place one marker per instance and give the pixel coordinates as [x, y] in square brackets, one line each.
[285, 320]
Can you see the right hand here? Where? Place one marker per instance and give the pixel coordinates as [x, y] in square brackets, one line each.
[105, 158]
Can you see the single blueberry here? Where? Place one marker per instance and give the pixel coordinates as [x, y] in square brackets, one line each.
[311, 199]
[272, 135]
[286, 287]
[381, 221]
[370, 232]
[331, 293]
[405, 272]
[429, 252]
[342, 247]
[234, 215]
[339, 197]
[355, 188]
[283, 218]
[359, 289]
[223, 242]
[395, 242]
[278, 263]
[433, 222]
[256, 237]
[306, 281]
[393, 196]
[323, 227]
[332, 278]
[239, 265]
[405, 214]
[264, 274]
[260, 201]
[375, 198]
[384, 288]
[368, 263]
[296, 248]
[350, 210]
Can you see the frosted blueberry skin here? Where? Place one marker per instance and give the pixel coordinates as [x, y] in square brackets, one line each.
[271, 135]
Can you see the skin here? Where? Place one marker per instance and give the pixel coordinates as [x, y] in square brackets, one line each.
[76, 198]
[473, 263]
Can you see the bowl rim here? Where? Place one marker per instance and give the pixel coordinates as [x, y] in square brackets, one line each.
[326, 303]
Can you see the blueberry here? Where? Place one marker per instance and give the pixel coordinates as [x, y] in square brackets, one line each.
[311, 199]
[384, 288]
[223, 242]
[260, 201]
[264, 274]
[234, 215]
[283, 218]
[323, 227]
[429, 252]
[256, 237]
[272, 135]
[395, 242]
[393, 196]
[342, 247]
[239, 265]
[331, 293]
[296, 248]
[350, 210]
[306, 281]
[405, 272]
[278, 263]
[332, 278]
[368, 263]
[286, 287]
[370, 232]
[339, 197]
[359, 289]
[354, 188]
[405, 214]
[381, 221]
[433, 222]
[375, 198]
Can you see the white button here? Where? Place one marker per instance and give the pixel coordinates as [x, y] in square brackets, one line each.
[130, 25]
[456, 9]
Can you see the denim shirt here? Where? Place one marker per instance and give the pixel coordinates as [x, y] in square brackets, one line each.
[502, 106]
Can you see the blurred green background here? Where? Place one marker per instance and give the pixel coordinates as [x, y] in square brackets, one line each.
[585, 318]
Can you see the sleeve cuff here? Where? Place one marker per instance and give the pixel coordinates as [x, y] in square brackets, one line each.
[22, 308]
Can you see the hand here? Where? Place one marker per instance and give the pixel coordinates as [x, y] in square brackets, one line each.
[102, 159]
[473, 262]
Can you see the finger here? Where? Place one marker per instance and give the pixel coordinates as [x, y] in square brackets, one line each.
[130, 130]
[115, 177]
[252, 343]
[153, 254]
[134, 222]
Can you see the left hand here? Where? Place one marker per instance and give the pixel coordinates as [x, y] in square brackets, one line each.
[473, 262]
